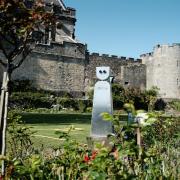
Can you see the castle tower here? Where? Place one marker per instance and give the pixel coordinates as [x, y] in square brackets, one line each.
[64, 29]
[58, 61]
[163, 70]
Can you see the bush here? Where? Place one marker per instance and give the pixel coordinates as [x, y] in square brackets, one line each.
[156, 158]
[19, 137]
[28, 100]
[76, 104]
[141, 99]
[175, 105]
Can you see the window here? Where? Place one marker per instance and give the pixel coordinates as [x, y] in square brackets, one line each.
[177, 81]
[46, 35]
[126, 83]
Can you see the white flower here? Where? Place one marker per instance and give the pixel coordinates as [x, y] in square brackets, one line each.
[141, 118]
[144, 119]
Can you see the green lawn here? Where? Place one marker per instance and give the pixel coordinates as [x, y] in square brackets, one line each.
[45, 126]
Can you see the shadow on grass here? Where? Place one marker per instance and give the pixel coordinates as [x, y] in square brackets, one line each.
[56, 118]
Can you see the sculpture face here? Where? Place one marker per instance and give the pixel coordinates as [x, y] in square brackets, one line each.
[103, 73]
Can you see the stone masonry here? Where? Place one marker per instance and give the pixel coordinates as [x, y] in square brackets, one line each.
[61, 63]
[163, 70]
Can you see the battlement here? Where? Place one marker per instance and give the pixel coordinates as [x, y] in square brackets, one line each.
[146, 55]
[70, 12]
[57, 9]
[158, 46]
[166, 45]
[121, 58]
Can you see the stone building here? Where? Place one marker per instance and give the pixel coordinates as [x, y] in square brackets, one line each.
[163, 70]
[61, 63]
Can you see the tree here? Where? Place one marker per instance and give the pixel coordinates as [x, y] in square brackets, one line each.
[21, 22]
[151, 97]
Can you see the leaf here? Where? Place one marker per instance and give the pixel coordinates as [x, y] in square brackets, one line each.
[106, 116]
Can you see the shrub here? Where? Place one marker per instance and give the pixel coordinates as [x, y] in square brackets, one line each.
[19, 137]
[175, 105]
[141, 99]
[76, 104]
[157, 157]
[31, 100]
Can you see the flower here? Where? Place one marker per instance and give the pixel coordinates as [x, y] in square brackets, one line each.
[94, 153]
[86, 158]
[141, 118]
[90, 156]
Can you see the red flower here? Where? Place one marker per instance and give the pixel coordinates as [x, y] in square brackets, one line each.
[86, 158]
[94, 153]
[89, 157]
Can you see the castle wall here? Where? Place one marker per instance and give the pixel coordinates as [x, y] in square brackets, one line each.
[67, 49]
[57, 68]
[65, 25]
[68, 67]
[64, 28]
[163, 70]
[134, 75]
[124, 70]
[62, 64]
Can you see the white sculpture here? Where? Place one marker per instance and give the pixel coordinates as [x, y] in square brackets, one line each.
[102, 102]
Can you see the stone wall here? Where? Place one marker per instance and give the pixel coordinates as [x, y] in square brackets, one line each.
[69, 67]
[58, 67]
[124, 69]
[163, 70]
[68, 49]
[134, 75]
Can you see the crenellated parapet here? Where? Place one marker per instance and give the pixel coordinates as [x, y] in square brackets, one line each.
[76, 50]
[161, 50]
[146, 55]
[125, 69]
[114, 57]
[166, 45]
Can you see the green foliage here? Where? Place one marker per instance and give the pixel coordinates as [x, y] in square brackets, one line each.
[21, 86]
[26, 100]
[129, 108]
[31, 98]
[140, 99]
[157, 157]
[75, 104]
[175, 105]
[39, 101]
[19, 137]
[151, 97]
[89, 109]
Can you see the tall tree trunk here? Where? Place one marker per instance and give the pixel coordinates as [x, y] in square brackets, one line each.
[3, 116]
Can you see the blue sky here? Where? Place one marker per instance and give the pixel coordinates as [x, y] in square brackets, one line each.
[126, 27]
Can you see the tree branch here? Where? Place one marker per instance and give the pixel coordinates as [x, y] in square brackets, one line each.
[24, 55]
[4, 51]
[3, 63]
[6, 39]
[18, 50]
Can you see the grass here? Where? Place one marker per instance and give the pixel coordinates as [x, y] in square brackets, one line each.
[46, 126]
